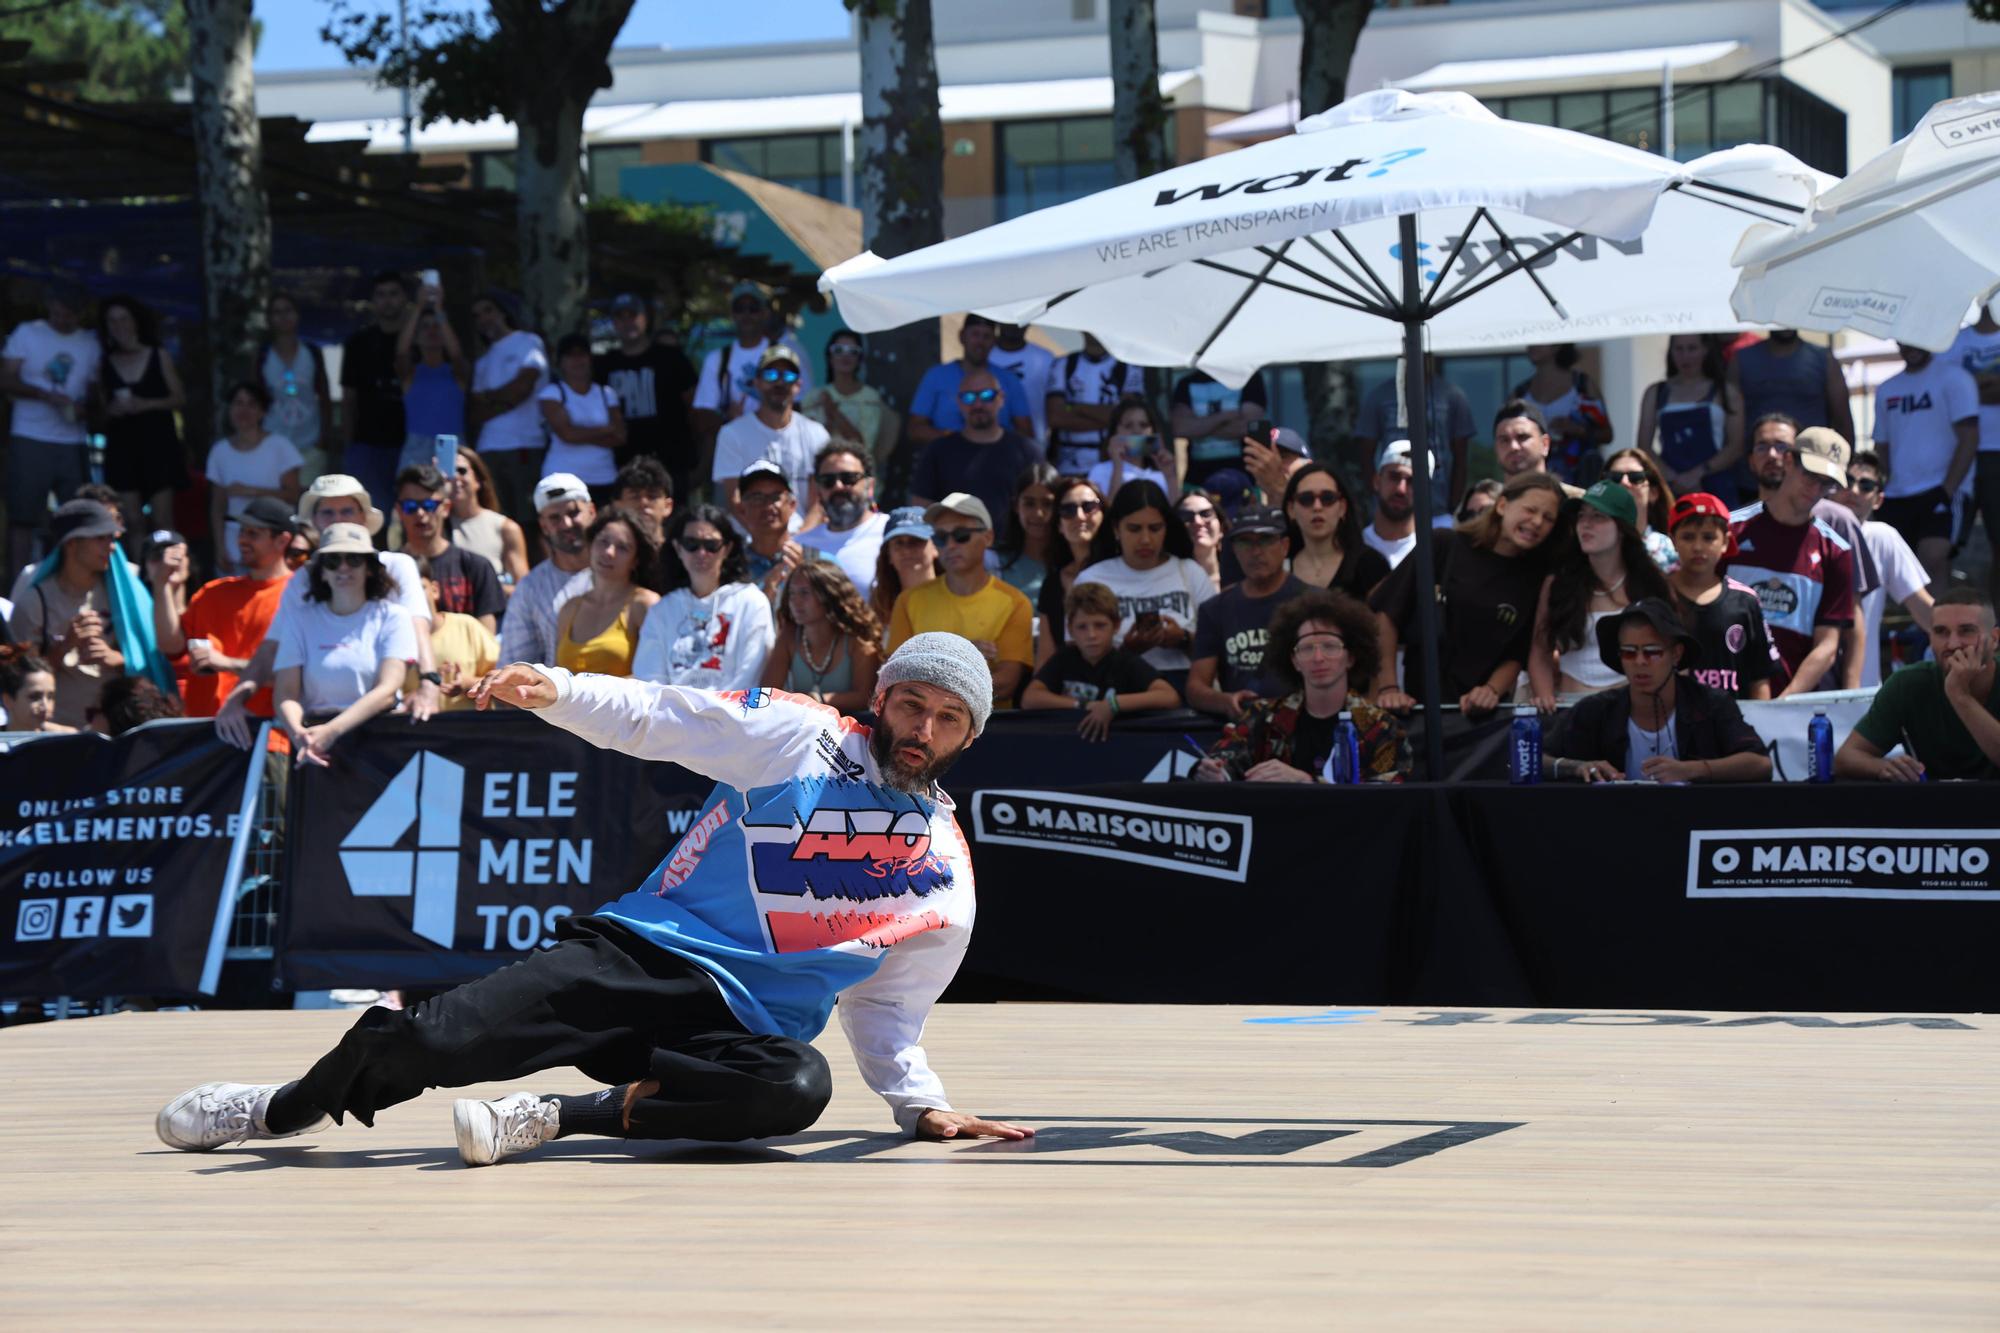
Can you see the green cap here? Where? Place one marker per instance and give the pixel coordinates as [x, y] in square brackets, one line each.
[1610, 497]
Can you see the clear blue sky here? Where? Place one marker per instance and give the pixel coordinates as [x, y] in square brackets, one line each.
[291, 27]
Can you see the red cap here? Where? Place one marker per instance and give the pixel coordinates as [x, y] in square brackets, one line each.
[1700, 504]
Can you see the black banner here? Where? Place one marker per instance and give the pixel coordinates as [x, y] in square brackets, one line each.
[113, 857]
[429, 855]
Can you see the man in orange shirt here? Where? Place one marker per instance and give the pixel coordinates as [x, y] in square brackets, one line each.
[228, 618]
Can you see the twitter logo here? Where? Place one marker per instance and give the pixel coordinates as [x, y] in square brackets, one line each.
[131, 916]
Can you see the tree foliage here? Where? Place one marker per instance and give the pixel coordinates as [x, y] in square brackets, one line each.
[453, 59]
[133, 50]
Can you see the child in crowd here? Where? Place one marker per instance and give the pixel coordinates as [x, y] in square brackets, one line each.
[28, 692]
[1090, 674]
[1736, 653]
[464, 647]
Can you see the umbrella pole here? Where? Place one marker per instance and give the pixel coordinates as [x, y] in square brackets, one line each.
[1416, 385]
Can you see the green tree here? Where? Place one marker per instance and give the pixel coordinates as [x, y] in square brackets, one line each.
[537, 62]
[133, 50]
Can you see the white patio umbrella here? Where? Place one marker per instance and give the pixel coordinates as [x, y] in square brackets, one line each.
[1899, 249]
[1271, 254]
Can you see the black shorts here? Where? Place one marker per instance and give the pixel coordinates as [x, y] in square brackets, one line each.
[1927, 514]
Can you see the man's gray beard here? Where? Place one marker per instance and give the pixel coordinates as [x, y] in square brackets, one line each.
[896, 775]
[843, 511]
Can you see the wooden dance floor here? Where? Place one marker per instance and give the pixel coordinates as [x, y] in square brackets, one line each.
[1208, 1167]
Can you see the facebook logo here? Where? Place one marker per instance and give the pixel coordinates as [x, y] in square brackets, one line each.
[82, 918]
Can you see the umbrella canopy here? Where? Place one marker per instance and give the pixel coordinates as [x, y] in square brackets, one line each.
[1900, 248]
[1277, 252]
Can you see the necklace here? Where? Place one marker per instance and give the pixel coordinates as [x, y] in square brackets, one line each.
[818, 668]
[1612, 588]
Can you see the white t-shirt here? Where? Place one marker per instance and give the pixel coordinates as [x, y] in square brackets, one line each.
[295, 406]
[717, 642]
[65, 362]
[1174, 588]
[1643, 743]
[1394, 551]
[402, 571]
[265, 466]
[1100, 476]
[592, 464]
[1914, 415]
[1902, 574]
[1090, 384]
[1979, 353]
[728, 383]
[342, 655]
[520, 426]
[746, 439]
[1032, 366]
[854, 550]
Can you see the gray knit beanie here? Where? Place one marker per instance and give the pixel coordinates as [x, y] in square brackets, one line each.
[948, 661]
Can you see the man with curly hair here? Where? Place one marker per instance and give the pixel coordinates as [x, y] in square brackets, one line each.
[1323, 646]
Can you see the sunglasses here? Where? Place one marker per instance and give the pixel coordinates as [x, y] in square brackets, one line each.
[1190, 515]
[1633, 652]
[1318, 499]
[828, 480]
[701, 545]
[764, 499]
[1632, 479]
[949, 536]
[772, 375]
[1078, 508]
[412, 506]
[297, 556]
[844, 349]
[346, 560]
[971, 396]
[1866, 485]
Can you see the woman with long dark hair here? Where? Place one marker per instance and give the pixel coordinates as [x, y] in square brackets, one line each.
[478, 525]
[244, 464]
[28, 692]
[1640, 473]
[143, 459]
[713, 628]
[829, 643]
[1142, 553]
[1488, 574]
[1600, 567]
[1136, 448]
[908, 559]
[344, 648]
[1079, 517]
[1693, 419]
[598, 629]
[1200, 512]
[1024, 534]
[1325, 523]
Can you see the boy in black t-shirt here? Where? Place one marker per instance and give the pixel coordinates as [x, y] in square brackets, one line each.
[1089, 673]
[1725, 617]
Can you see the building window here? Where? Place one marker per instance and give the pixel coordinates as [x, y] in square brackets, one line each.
[1707, 118]
[808, 162]
[1044, 162]
[493, 171]
[605, 162]
[1916, 90]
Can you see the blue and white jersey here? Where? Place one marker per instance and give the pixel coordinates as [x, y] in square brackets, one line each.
[804, 878]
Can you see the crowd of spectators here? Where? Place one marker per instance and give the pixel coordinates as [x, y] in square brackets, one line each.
[619, 511]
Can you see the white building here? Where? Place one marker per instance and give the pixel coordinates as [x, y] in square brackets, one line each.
[1026, 102]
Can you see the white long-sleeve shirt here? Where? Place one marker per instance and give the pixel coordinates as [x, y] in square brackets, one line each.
[803, 877]
[717, 642]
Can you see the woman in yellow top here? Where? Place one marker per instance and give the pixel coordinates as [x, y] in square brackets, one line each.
[598, 629]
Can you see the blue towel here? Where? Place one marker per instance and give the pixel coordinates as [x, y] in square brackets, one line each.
[131, 618]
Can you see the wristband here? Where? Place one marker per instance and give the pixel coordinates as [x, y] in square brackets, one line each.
[1111, 697]
[432, 677]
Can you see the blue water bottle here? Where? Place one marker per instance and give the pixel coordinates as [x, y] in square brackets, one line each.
[1345, 765]
[1524, 747]
[1819, 743]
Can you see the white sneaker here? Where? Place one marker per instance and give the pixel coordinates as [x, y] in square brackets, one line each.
[215, 1114]
[489, 1132]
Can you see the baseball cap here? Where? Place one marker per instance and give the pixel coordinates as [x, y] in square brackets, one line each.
[1259, 520]
[1823, 452]
[778, 354]
[159, 539]
[906, 521]
[559, 488]
[625, 301]
[330, 485]
[749, 289]
[1614, 500]
[82, 518]
[1700, 504]
[1284, 437]
[965, 505]
[763, 467]
[1396, 453]
[266, 511]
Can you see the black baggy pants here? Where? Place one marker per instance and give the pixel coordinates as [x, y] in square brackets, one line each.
[605, 1001]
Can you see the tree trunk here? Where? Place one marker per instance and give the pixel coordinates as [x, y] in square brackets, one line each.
[1139, 114]
[1328, 33]
[229, 175]
[564, 56]
[901, 161]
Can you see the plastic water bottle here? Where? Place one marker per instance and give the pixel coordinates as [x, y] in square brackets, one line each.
[1345, 765]
[1524, 747]
[1819, 745]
